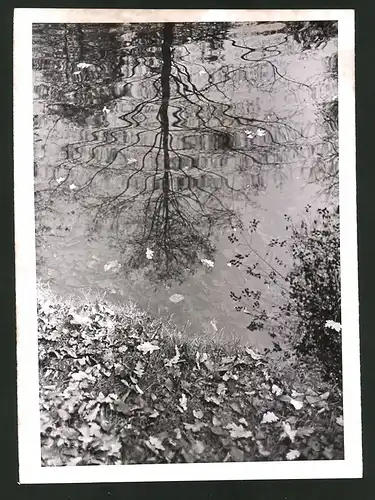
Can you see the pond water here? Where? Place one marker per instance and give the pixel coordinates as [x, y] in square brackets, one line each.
[156, 146]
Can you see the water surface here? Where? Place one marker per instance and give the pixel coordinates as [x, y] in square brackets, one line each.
[162, 141]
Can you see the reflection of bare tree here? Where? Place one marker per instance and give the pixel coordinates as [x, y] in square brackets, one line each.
[183, 151]
[175, 213]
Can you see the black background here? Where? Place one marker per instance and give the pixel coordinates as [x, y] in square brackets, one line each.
[362, 489]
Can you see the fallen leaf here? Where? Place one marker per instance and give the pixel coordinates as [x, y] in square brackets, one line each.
[305, 431]
[156, 443]
[262, 450]
[237, 454]
[340, 421]
[292, 454]
[213, 399]
[276, 390]
[63, 414]
[175, 359]
[269, 417]
[194, 427]
[198, 414]
[236, 407]
[183, 402]
[80, 320]
[221, 389]
[288, 432]
[215, 421]
[328, 452]
[147, 347]
[253, 354]
[238, 432]
[297, 404]
[92, 415]
[198, 447]
[139, 369]
[86, 437]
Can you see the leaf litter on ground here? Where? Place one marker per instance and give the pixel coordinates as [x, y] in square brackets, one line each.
[112, 395]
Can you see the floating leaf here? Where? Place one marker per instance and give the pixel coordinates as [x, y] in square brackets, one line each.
[260, 132]
[72, 186]
[147, 347]
[292, 454]
[176, 297]
[250, 134]
[213, 324]
[269, 417]
[59, 180]
[111, 265]
[131, 160]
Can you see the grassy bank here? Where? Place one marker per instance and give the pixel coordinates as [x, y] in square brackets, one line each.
[118, 387]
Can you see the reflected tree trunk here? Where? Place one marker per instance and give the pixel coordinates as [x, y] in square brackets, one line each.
[166, 93]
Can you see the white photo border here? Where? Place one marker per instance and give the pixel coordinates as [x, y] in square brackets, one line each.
[30, 469]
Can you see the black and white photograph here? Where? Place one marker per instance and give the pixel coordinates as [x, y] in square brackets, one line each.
[185, 216]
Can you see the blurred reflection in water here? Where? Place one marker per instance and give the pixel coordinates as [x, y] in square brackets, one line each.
[154, 141]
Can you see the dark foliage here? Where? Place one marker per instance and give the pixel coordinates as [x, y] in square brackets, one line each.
[315, 292]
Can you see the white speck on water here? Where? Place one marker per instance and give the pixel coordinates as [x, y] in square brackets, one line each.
[176, 297]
